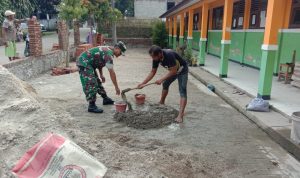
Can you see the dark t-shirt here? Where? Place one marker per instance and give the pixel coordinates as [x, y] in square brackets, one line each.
[172, 59]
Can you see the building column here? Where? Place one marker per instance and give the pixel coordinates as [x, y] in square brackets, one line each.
[226, 38]
[170, 32]
[190, 28]
[181, 35]
[175, 32]
[203, 38]
[270, 47]
[286, 23]
[247, 14]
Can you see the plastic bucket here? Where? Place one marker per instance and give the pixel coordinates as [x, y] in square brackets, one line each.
[120, 106]
[295, 132]
[140, 99]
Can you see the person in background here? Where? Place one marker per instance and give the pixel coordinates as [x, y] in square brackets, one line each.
[9, 32]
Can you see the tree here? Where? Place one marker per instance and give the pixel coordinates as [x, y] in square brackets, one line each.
[70, 10]
[4, 5]
[103, 13]
[23, 8]
[48, 6]
[159, 34]
[126, 7]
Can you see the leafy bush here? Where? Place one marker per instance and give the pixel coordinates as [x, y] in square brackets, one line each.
[188, 55]
[160, 34]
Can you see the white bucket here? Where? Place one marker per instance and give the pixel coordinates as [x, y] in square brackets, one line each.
[295, 132]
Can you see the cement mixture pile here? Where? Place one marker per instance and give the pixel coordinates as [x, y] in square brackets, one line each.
[148, 116]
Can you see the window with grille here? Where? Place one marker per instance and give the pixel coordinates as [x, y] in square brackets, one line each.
[196, 22]
[218, 18]
[186, 23]
[258, 13]
[238, 14]
[295, 14]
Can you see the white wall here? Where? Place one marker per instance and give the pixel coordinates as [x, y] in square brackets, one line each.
[144, 9]
[52, 24]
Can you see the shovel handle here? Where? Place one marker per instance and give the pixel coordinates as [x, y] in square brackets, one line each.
[149, 84]
[144, 86]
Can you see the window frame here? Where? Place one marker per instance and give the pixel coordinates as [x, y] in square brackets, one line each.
[261, 7]
[295, 8]
[237, 14]
[217, 23]
[196, 22]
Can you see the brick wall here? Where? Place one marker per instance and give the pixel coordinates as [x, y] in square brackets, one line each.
[35, 36]
[132, 28]
[31, 67]
[132, 42]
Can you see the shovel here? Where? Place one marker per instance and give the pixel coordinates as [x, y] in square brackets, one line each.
[129, 89]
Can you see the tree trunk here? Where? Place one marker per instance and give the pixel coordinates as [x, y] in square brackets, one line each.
[67, 46]
[114, 26]
[76, 33]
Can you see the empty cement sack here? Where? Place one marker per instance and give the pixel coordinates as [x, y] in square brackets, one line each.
[57, 157]
[258, 104]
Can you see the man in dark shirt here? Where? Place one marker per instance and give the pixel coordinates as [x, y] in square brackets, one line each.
[178, 69]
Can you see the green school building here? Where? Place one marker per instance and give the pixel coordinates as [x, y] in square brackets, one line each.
[259, 33]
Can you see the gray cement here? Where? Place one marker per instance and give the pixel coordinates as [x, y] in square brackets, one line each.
[148, 116]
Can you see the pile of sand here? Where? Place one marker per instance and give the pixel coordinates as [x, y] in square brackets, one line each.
[23, 120]
[148, 117]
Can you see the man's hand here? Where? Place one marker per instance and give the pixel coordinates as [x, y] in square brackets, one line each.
[6, 44]
[118, 91]
[159, 82]
[102, 78]
[140, 86]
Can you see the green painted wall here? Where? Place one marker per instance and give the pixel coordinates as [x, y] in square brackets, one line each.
[289, 42]
[185, 35]
[246, 47]
[214, 42]
[237, 46]
[253, 52]
[196, 39]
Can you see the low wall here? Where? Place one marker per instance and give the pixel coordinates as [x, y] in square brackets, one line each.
[132, 42]
[30, 67]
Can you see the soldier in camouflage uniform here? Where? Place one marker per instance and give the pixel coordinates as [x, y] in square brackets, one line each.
[88, 62]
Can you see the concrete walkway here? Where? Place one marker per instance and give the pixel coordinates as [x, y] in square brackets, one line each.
[242, 79]
[284, 97]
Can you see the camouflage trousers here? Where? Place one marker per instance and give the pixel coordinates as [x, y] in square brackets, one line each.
[91, 84]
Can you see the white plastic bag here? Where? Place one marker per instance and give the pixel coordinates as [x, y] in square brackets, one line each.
[56, 157]
[258, 104]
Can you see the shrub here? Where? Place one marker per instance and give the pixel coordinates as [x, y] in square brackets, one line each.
[159, 34]
[188, 55]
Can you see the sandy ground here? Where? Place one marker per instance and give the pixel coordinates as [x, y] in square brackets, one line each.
[214, 141]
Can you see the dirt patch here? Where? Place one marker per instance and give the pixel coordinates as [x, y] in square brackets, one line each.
[148, 116]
